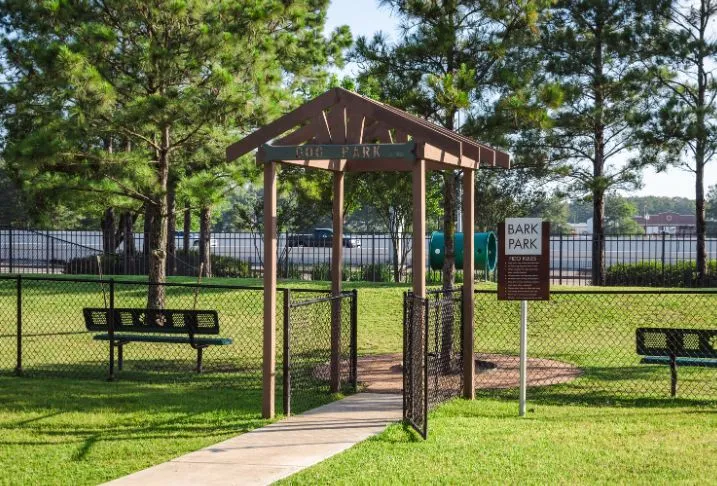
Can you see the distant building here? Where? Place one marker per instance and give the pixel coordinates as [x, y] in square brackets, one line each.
[670, 223]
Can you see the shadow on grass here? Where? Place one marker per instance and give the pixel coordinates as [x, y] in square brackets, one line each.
[637, 386]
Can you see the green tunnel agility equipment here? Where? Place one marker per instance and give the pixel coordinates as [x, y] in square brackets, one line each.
[485, 250]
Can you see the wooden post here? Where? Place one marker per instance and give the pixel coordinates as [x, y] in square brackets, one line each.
[468, 275]
[270, 245]
[419, 228]
[337, 264]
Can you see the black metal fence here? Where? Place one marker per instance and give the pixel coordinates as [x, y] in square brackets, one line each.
[432, 353]
[320, 347]
[44, 333]
[663, 260]
[583, 346]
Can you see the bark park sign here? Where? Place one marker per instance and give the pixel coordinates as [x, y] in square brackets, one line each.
[364, 151]
[524, 259]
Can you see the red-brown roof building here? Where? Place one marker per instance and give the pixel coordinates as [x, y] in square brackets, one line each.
[671, 223]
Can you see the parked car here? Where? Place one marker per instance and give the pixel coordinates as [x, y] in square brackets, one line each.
[212, 244]
[320, 237]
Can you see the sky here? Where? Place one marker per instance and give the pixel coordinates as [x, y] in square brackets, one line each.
[365, 17]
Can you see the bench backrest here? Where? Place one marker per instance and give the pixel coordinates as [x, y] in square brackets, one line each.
[179, 321]
[691, 343]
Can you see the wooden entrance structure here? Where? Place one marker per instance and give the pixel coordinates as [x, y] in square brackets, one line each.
[341, 131]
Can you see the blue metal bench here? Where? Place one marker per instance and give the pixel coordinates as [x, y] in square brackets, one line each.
[677, 347]
[172, 326]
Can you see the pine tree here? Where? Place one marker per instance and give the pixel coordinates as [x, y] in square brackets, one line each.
[592, 83]
[87, 77]
[681, 130]
[446, 61]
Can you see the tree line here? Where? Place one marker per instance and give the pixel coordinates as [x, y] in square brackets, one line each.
[121, 109]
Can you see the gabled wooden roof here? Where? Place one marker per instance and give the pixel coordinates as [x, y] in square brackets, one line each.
[340, 116]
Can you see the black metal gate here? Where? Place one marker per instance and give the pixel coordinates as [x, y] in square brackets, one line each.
[319, 348]
[432, 353]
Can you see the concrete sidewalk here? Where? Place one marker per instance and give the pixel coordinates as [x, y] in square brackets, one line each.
[278, 450]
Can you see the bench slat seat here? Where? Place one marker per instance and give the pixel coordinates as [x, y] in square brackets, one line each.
[150, 338]
[665, 360]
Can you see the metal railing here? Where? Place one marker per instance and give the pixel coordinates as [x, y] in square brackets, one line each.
[646, 260]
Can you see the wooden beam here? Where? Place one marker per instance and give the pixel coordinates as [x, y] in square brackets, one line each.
[336, 271]
[374, 110]
[379, 165]
[336, 119]
[470, 146]
[435, 154]
[301, 135]
[354, 127]
[419, 228]
[502, 159]
[468, 285]
[487, 157]
[284, 123]
[323, 134]
[270, 246]
[332, 165]
[377, 131]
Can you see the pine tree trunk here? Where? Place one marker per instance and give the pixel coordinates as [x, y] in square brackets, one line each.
[449, 229]
[158, 230]
[701, 144]
[126, 235]
[147, 226]
[171, 233]
[700, 224]
[598, 244]
[127, 223]
[597, 183]
[205, 240]
[109, 229]
[186, 230]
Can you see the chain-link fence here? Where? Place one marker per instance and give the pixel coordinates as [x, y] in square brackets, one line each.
[584, 346]
[432, 353]
[205, 334]
[320, 333]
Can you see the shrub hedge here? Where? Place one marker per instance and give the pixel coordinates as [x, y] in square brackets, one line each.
[652, 274]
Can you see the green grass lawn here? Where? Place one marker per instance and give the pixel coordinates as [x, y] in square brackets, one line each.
[83, 430]
[485, 442]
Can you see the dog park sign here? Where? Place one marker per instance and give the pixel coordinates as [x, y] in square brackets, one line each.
[524, 259]
[523, 274]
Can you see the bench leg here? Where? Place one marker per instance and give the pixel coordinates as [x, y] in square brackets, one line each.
[112, 361]
[120, 359]
[199, 360]
[673, 376]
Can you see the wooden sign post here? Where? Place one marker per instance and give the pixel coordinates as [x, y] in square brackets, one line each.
[524, 274]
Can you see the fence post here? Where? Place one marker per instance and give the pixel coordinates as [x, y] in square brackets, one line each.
[9, 249]
[52, 255]
[560, 261]
[47, 251]
[286, 395]
[406, 353]
[111, 329]
[373, 256]
[426, 323]
[663, 257]
[18, 364]
[353, 378]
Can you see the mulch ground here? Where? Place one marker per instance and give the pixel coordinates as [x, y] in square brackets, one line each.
[384, 373]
